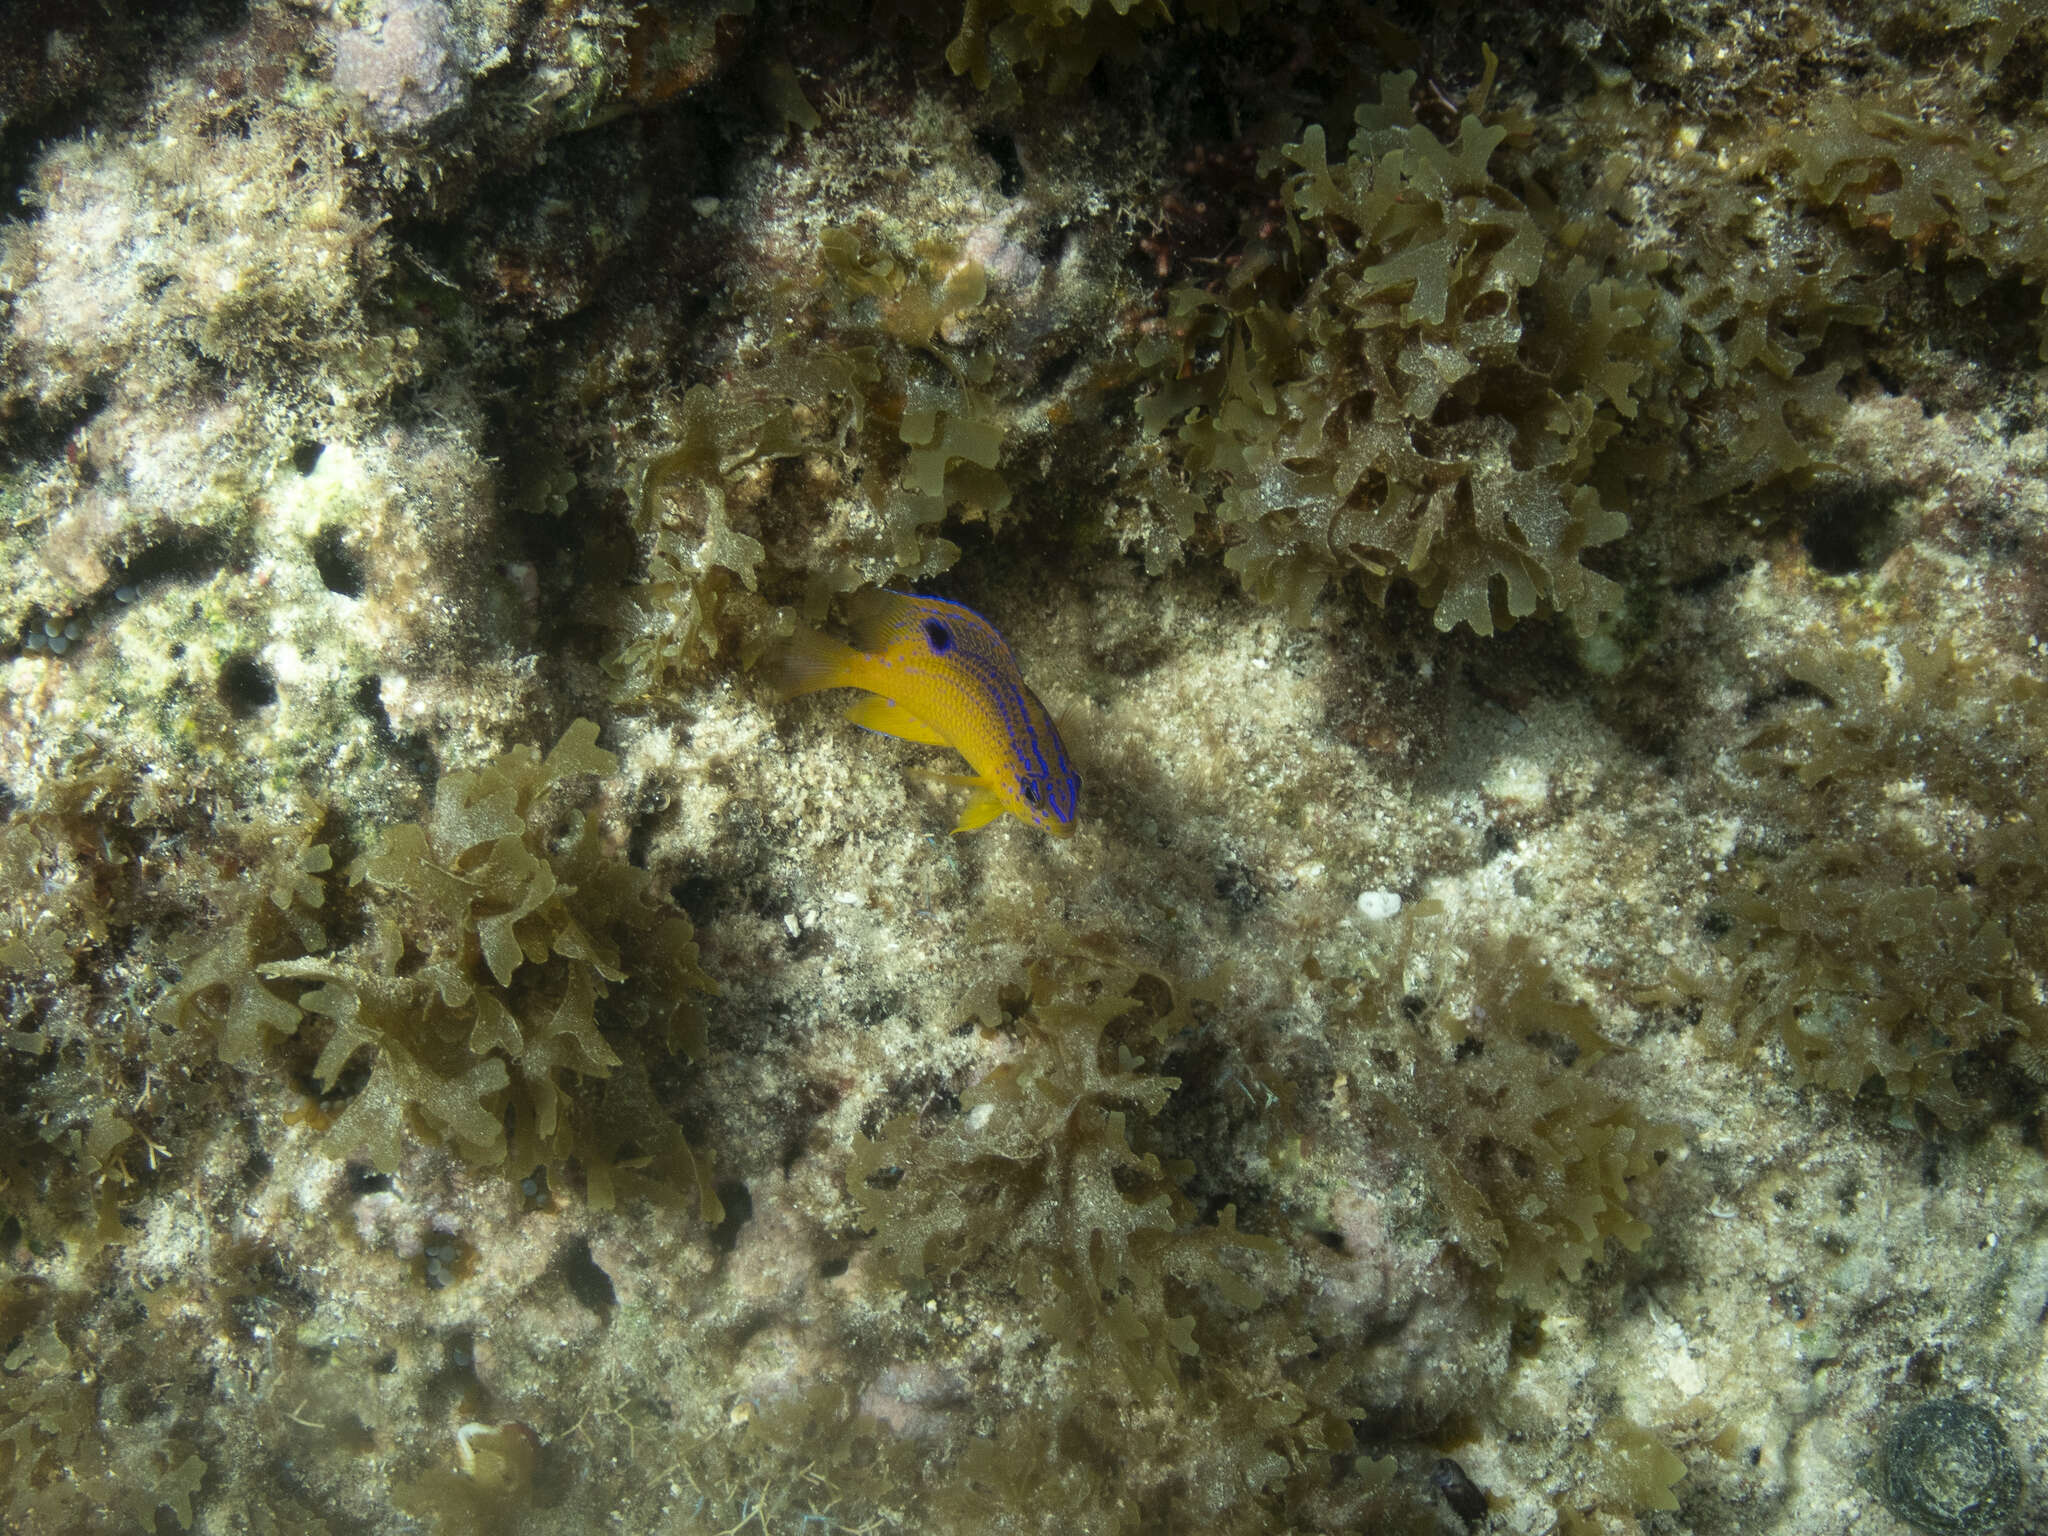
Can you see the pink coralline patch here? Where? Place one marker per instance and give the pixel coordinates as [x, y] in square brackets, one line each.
[776, 1255]
[383, 1220]
[777, 1364]
[399, 64]
[1371, 1276]
[1005, 260]
[154, 464]
[913, 1399]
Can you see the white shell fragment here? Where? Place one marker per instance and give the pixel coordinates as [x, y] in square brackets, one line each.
[1378, 906]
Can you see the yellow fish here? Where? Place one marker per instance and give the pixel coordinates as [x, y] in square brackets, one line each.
[940, 674]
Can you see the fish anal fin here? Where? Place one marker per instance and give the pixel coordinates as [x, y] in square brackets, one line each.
[983, 807]
[886, 716]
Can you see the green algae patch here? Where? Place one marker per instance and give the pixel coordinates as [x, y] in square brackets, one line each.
[883, 403]
[63, 1465]
[1063, 40]
[1048, 1198]
[1492, 1089]
[512, 979]
[1973, 199]
[1887, 919]
[1184, 1358]
[1426, 400]
[1038, 1174]
[1624, 1470]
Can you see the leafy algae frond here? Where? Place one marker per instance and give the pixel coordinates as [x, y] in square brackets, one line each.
[511, 974]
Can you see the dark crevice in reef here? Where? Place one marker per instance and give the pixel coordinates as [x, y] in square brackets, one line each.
[39, 431]
[1001, 148]
[176, 557]
[340, 568]
[1851, 528]
[413, 750]
[586, 1281]
[247, 686]
[739, 1210]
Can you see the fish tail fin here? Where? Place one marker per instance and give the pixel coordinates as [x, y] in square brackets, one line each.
[808, 662]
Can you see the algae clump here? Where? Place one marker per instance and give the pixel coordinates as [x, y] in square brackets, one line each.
[1416, 388]
[1889, 922]
[511, 973]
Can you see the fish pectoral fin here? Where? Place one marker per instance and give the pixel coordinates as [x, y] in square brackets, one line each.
[957, 780]
[982, 808]
[888, 718]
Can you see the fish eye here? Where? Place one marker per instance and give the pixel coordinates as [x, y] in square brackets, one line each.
[1029, 789]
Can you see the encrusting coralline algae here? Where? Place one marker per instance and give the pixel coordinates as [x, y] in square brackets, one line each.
[400, 61]
[1529, 522]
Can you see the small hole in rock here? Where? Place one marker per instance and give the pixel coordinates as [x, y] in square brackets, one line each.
[1239, 887]
[586, 1281]
[365, 1180]
[1002, 148]
[368, 699]
[1053, 372]
[1850, 528]
[739, 1210]
[246, 686]
[306, 457]
[340, 570]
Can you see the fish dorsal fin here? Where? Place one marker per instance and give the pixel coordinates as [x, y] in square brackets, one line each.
[982, 807]
[807, 662]
[875, 616]
[886, 716]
